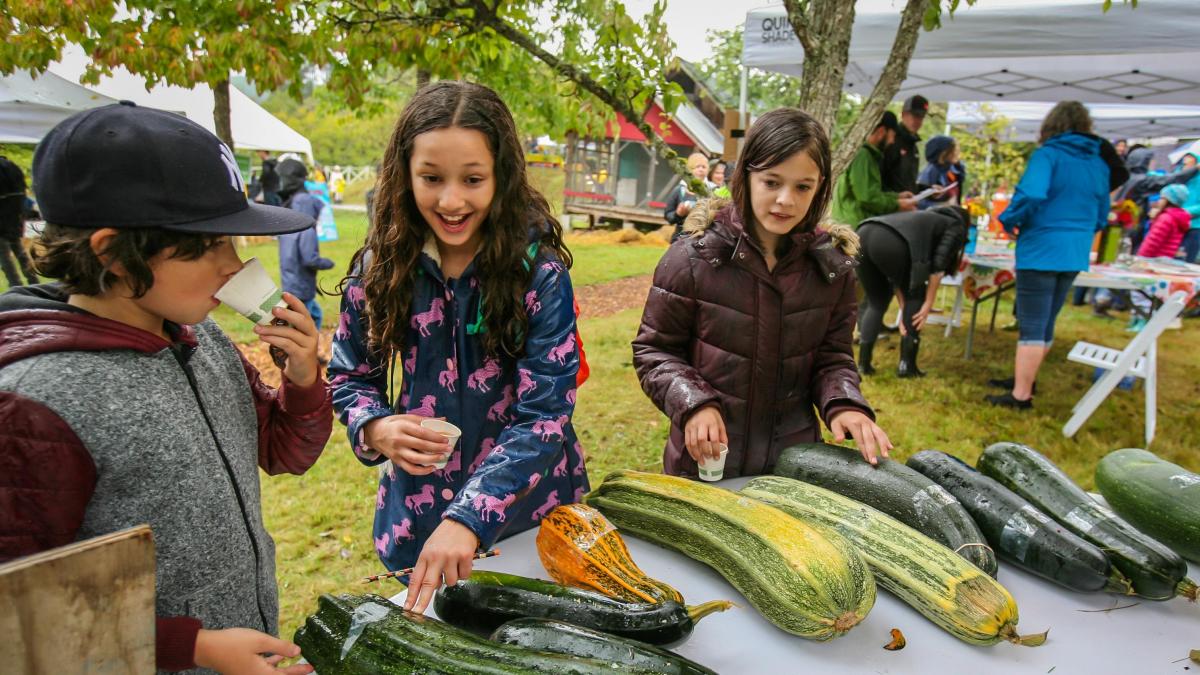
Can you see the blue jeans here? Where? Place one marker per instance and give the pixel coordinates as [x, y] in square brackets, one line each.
[314, 308]
[1040, 297]
[1191, 244]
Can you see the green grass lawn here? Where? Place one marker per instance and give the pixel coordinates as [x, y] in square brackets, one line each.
[322, 520]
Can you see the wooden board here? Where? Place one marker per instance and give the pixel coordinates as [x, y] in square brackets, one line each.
[83, 608]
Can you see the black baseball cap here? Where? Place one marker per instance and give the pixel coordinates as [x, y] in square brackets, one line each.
[917, 105]
[126, 167]
[888, 121]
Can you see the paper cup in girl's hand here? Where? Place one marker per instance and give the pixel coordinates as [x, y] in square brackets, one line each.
[449, 431]
[714, 469]
[252, 293]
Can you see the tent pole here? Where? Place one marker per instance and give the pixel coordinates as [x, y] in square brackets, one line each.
[742, 95]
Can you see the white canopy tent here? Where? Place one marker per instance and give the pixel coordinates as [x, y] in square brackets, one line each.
[253, 127]
[1111, 120]
[31, 105]
[1014, 50]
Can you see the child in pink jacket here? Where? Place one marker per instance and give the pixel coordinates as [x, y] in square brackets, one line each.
[1169, 226]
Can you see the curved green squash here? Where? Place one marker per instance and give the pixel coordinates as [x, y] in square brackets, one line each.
[404, 642]
[565, 638]
[954, 594]
[895, 489]
[807, 582]
[1156, 572]
[1157, 497]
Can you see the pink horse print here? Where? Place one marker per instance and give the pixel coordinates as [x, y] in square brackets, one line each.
[428, 403]
[559, 353]
[487, 504]
[422, 498]
[578, 494]
[532, 305]
[571, 396]
[499, 410]
[526, 384]
[379, 497]
[485, 449]
[356, 295]
[551, 267]
[447, 377]
[544, 509]
[478, 380]
[453, 465]
[579, 468]
[550, 428]
[343, 329]
[434, 315]
[410, 361]
[403, 530]
[534, 479]
[560, 469]
[381, 543]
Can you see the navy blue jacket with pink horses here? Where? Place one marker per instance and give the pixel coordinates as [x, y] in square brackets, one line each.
[518, 457]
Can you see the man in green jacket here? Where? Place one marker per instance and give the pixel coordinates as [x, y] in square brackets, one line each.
[859, 194]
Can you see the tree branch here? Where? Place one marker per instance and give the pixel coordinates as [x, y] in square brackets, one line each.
[886, 87]
[796, 16]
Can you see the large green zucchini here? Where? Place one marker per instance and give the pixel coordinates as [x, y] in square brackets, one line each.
[894, 489]
[1156, 572]
[487, 599]
[954, 594]
[1157, 497]
[395, 641]
[807, 582]
[1021, 533]
[564, 638]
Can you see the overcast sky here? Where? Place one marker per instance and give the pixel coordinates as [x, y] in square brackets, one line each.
[688, 20]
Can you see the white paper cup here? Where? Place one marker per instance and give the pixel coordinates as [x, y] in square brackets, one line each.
[252, 293]
[712, 470]
[449, 431]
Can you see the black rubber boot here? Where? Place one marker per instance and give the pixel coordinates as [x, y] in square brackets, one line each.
[909, 346]
[865, 350]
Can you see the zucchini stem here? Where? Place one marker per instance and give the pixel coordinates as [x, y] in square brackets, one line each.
[1118, 583]
[697, 612]
[1188, 589]
[1009, 632]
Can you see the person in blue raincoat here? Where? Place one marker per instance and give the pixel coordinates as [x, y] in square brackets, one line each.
[459, 307]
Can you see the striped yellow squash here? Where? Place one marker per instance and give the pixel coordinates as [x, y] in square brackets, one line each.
[810, 583]
[948, 590]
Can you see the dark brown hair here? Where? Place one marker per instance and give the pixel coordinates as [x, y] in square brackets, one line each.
[772, 139]
[395, 240]
[1066, 116]
[65, 253]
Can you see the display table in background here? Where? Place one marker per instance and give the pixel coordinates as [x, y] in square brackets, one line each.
[1147, 638]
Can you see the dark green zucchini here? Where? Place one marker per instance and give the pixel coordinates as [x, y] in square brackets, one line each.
[1157, 497]
[395, 641]
[894, 489]
[565, 638]
[488, 599]
[1018, 531]
[1156, 572]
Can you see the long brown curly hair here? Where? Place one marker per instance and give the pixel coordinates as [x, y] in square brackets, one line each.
[517, 217]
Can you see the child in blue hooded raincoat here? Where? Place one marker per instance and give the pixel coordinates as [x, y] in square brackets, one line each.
[459, 307]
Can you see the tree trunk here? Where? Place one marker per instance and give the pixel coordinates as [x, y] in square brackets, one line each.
[221, 115]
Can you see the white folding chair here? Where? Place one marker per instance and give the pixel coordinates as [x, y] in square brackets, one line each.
[1139, 359]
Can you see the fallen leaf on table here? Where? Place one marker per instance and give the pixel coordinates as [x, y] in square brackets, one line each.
[897, 642]
[1195, 654]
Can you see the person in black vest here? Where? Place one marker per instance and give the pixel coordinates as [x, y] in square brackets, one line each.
[905, 255]
[269, 180]
[12, 224]
[901, 160]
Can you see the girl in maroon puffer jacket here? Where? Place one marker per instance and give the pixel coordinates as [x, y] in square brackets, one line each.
[745, 338]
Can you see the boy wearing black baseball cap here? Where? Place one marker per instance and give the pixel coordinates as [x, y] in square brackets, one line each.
[125, 404]
[902, 160]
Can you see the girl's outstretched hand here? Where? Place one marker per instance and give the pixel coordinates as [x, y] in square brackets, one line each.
[240, 651]
[870, 439]
[703, 433]
[410, 446]
[448, 555]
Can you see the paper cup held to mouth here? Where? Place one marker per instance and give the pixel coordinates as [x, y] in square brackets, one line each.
[252, 293]
[712, 470]
[447, 430]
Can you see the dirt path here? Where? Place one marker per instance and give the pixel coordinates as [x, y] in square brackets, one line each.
[611, 297]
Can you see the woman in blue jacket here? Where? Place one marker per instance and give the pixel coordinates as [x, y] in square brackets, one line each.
[1060, 203]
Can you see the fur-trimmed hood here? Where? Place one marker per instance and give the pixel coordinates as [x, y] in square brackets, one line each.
[833, 246]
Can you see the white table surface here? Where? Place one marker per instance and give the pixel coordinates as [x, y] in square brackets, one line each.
[1138, 640]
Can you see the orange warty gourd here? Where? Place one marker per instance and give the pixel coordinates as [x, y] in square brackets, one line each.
[580, 547]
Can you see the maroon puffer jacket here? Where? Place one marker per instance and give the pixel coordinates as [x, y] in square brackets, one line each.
[766, 347]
